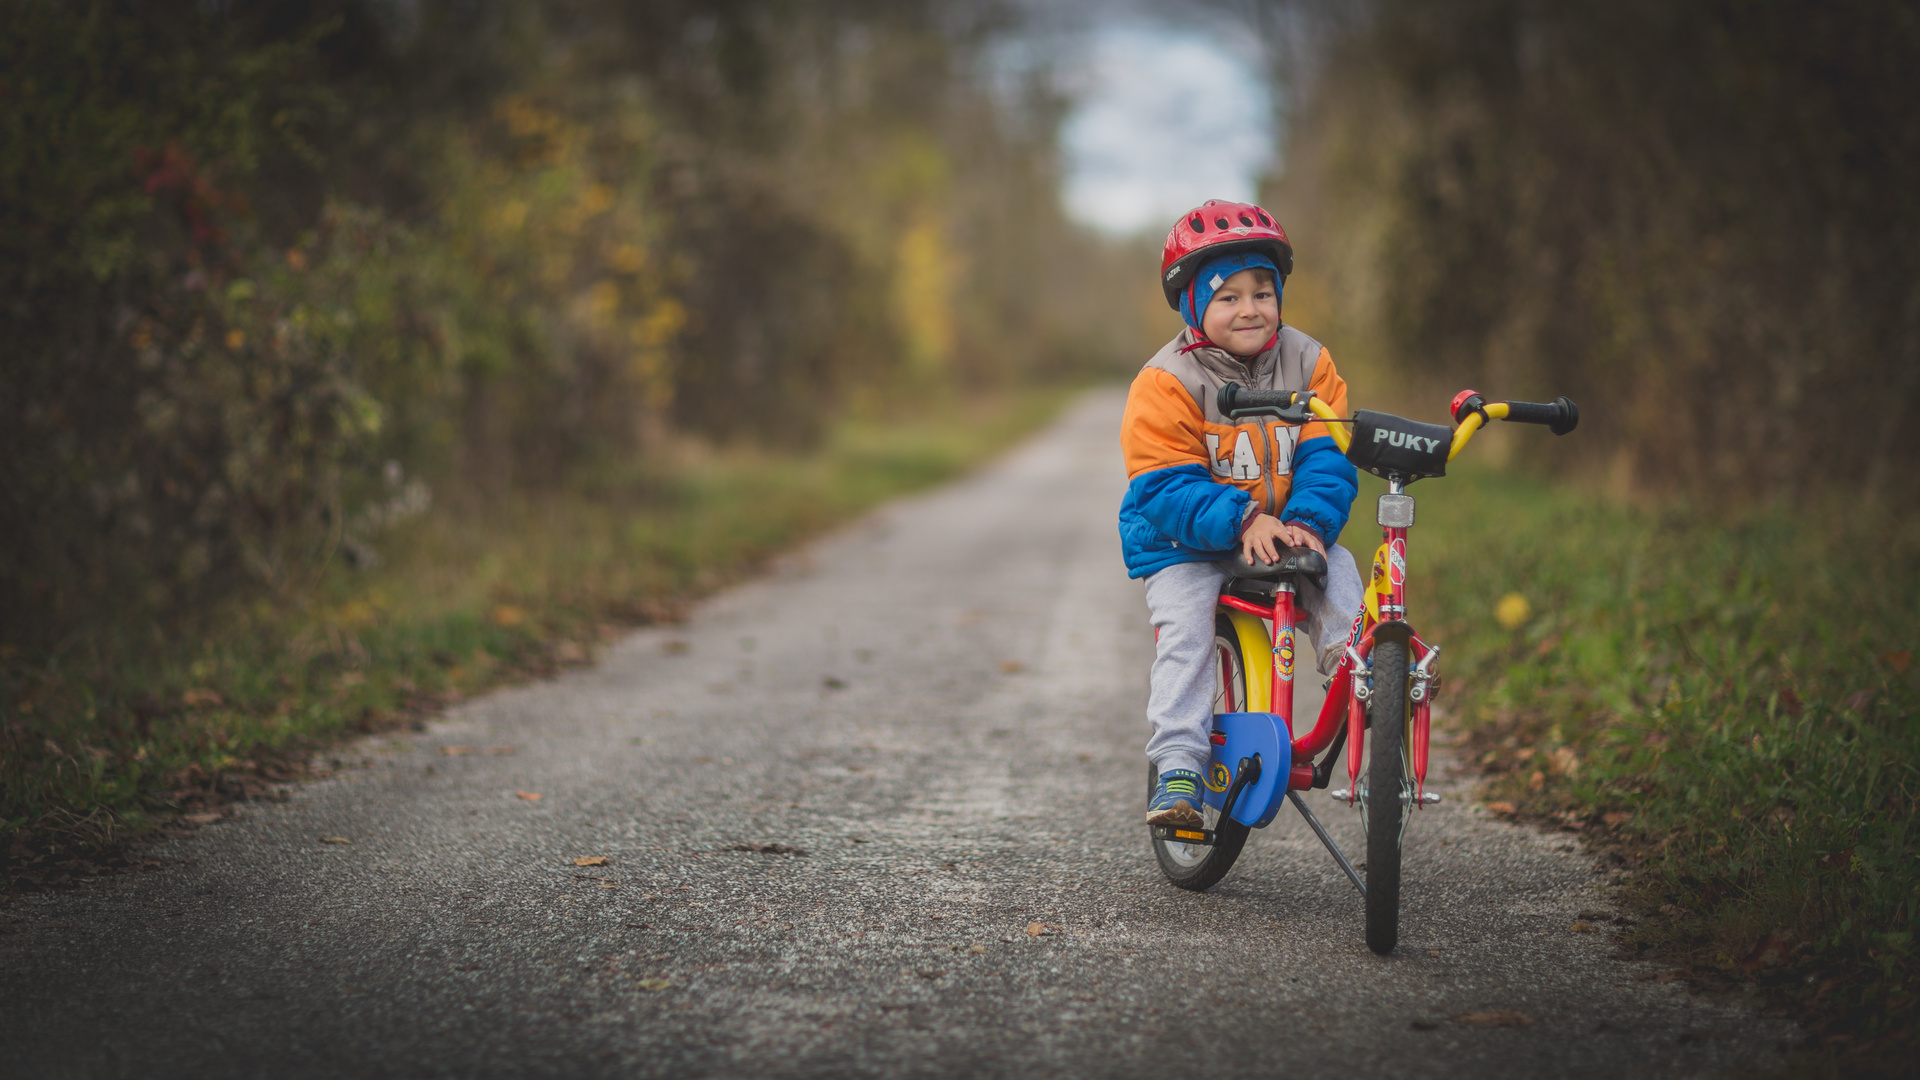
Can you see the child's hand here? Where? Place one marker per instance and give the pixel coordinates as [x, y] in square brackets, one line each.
[1300, 536]
[1266, 536]
[1257, 543]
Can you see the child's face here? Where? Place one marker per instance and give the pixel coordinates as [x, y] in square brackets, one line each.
[1244, 313]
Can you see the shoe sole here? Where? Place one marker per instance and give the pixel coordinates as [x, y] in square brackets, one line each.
[1180, 815]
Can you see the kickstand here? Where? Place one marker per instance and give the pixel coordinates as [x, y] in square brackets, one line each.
[1314, 823]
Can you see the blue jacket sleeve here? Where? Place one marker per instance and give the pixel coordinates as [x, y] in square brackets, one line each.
[1190, 508]
[1324, 486]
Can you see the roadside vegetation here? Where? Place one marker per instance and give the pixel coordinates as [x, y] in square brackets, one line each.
[1726, 706]
[1687, 631]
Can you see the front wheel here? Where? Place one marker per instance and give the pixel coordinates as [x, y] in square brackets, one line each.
[1194, 866]
[1388, 797]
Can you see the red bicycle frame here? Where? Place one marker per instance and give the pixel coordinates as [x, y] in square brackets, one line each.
[1346, 690]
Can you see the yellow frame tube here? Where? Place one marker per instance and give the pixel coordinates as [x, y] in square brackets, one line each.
[1256, 658]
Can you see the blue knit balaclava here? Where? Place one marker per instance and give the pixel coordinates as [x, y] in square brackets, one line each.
[1213, 274]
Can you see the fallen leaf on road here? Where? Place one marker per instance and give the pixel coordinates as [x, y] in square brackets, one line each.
[772, 849]
[590, 860]
[456, 751]
[1038, 929]
[1495, 1018]
[1502, 808]
[978, 949]
[655, 984]
[335, 840]
[1011, 667]
[609, 884]
[1581, 927]
[530, 796]
[1772, 951]
[200, 819]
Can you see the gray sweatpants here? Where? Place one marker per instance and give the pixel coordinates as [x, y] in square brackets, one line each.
[1181, 600]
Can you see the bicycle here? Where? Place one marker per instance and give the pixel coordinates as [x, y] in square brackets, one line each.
[1385, 682]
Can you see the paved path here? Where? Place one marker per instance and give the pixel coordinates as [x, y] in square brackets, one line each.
[941, 707]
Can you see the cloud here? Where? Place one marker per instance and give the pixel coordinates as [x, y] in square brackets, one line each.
[1164, 118]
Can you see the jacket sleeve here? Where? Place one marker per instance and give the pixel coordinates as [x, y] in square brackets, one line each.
[1324, 484]
[1169, 469]
[1190, 508]
[1324, 481]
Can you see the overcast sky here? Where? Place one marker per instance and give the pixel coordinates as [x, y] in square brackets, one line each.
[1166, 115]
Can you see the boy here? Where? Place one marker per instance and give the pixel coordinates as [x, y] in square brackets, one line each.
[1202, 485]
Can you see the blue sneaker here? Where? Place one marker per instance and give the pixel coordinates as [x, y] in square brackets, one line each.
[1176, 800]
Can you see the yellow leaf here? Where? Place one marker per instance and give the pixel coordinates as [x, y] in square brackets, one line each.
[530, 796]
[456, 751]
[335, 840]
[590, 860]
[1512, 611]
[654, 985]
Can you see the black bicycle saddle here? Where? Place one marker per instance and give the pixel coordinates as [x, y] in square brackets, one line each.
[1294, 562]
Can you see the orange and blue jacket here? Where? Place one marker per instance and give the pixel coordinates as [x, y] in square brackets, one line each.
[1196, 478]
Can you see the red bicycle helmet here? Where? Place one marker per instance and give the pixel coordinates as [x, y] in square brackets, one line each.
[1216, 228]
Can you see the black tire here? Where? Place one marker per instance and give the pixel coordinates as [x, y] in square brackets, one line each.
[1186, 865]
[1386, 801]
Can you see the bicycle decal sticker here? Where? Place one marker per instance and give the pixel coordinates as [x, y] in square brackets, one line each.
[1218, 777]
[1397, 562]
[1283, 650]
[1377, 586]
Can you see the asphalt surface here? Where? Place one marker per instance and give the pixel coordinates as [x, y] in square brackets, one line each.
[941, 706]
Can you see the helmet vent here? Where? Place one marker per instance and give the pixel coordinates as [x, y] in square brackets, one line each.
[1264, 220]
[1199, 224]
[1222, 222]
[1245, 220]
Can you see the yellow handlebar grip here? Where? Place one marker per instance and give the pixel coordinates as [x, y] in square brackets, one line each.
[1464, 433]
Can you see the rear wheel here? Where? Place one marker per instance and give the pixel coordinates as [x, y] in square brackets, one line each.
[1200, 866]
[1387, 797]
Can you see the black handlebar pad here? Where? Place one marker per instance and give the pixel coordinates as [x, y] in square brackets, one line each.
[1560, 417]
[1236, 401]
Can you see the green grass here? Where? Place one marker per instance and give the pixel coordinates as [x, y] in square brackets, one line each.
[127, 730]
[1726, 703]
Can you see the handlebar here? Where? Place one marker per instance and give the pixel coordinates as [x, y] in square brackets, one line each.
[1470, 410]
[1559, 417]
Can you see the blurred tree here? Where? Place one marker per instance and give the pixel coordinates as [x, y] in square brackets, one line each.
[1700, 219]
[273, 264]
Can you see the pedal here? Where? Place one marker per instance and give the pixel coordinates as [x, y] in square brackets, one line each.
[1174, 834]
